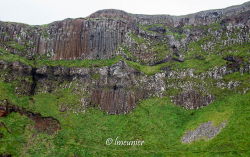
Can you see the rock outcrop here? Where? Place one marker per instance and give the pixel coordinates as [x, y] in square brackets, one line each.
[205, 131]
[191, 99]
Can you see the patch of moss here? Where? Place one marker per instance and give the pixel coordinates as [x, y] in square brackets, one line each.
[129, 54]
[146, 69]
[14, 133]
[95, 76]
[242, 79]
[137, 39]
[169, 30]
[199, 65]
[213, 26]
[161, 50]
[6, 56]
[78, 63]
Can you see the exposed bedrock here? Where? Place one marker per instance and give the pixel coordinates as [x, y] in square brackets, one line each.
[68, 39]
[192, 99]
[205, 131]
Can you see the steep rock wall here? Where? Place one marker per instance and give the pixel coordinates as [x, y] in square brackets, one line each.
[101, 34]
[67, 39]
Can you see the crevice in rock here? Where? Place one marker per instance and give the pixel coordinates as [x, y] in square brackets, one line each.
[34, 81]
[234, 62]
[115, 87]
[178, 60]
[167, 59]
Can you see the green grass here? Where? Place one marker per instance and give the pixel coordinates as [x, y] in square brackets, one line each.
[149, 70]
[161, 50]
[16, 46]
[201, 65]
[15, 136]
[7, 92]
[4, 55]
[137, 39]
[78, 63]
[146, 69]
[169, 30]
[240, 50]
[198, 65]
[214, 27]
[9, 57]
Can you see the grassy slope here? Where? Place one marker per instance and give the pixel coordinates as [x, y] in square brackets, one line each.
[156, 121]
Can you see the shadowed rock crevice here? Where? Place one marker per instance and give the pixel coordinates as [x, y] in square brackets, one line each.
[34, 81]
[234, 62]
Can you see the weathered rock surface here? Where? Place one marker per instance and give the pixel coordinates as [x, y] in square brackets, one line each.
[191, 99]
[69, 39]
[205, 131]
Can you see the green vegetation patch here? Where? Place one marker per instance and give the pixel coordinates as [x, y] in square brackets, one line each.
[213, 26]
[161, 50]
[78, 63]
[4, 55]
[137, 39]
[146, 69]
[16, 46]
[175, 32]
[201, 65]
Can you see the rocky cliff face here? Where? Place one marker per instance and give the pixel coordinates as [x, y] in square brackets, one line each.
[68, 39]
[102, 33]
[182, 57]
[115, 89]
